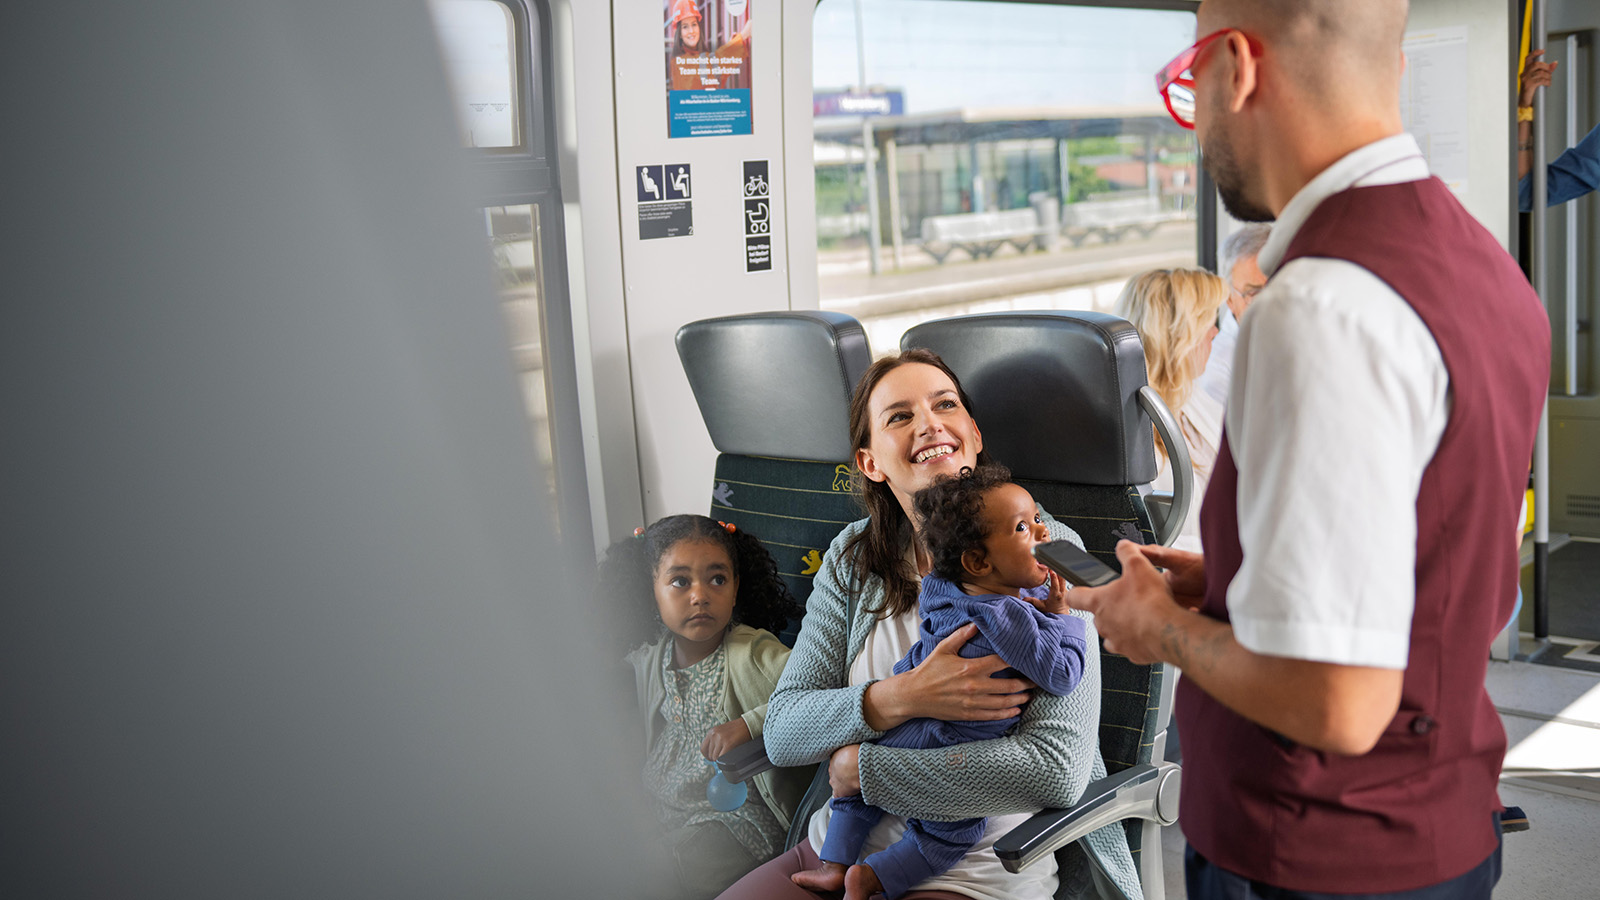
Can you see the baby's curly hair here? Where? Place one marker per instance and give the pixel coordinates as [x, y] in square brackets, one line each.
[628, 575]
[951, 510]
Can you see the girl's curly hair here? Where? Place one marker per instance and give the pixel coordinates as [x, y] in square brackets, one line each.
[951, 510]
[627, 576]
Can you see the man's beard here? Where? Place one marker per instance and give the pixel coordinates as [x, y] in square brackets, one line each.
[1223, 167]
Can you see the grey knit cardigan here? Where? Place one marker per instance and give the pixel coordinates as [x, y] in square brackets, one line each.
[1046, 762]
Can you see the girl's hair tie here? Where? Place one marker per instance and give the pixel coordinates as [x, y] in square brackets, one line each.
[639, 532]
[729, 527]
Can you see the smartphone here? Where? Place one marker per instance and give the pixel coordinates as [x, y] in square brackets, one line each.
[1074, 565]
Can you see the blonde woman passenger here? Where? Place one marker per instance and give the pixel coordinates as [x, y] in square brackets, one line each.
[1175, 312]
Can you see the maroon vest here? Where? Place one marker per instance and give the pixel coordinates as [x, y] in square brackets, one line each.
[1415, 810]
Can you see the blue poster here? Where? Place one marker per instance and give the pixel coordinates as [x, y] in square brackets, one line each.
[708, 67]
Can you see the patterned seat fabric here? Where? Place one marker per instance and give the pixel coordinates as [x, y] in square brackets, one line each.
[774, 391]
[796, 507]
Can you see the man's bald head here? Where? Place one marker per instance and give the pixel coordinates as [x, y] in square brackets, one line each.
[1337, 52]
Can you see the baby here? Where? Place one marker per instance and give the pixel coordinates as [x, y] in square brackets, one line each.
[980, 529]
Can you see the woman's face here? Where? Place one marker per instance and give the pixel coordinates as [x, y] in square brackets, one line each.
[919, 431]
[689, 33]
[1202, 353]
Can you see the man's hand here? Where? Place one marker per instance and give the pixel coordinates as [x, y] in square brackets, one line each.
[1186, 573]
[1132, 612]
[724, 737]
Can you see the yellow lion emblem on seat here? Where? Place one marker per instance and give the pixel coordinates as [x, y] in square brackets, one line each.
[810, 563]
[841, 477]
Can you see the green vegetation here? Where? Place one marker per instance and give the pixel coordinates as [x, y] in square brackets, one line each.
[1083, 180]
[834, 189]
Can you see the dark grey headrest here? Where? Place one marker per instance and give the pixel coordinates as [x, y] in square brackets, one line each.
[776, 383]
[1054, 393]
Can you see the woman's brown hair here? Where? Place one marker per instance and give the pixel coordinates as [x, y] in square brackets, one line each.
[879, 549]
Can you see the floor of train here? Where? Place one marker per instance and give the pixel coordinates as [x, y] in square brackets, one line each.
[1552, 770]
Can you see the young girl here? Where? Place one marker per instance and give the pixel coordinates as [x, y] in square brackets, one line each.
[979, 529]
[711, 596]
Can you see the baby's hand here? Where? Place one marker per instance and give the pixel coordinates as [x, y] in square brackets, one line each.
[1054, 602]
[724, 737]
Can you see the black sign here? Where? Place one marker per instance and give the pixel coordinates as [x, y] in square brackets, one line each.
[648, 183]
[677, 185]
[758, 254]
[756, 183]
[757, 217]
[674, 218]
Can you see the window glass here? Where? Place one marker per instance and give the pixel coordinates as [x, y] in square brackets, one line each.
[476, 38]
[1021, 156]
[513, 233]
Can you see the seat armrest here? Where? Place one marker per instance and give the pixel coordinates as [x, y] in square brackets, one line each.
[1139, 792]
[745, 761]
[1177, 458]
[1159, 505]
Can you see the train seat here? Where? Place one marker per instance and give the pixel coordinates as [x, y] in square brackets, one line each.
[774, 390]
[1063, 401]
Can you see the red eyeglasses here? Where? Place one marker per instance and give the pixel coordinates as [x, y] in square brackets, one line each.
[1176, 83]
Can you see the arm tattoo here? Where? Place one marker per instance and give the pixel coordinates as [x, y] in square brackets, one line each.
[1193, 653]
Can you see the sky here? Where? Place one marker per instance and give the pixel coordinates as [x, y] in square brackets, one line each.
[956, 53]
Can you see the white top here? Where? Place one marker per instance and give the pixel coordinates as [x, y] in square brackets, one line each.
[1201, 422]
[1214, 381]
[979, 873]
[1339, 401]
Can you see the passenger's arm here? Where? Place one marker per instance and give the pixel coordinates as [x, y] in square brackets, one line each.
[1535, 74]
[1045, 763]
[814, 711]
[768, 656]
[1577, 171]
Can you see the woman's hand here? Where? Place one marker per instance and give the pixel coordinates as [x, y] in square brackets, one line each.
[844, 771]
[1536, 74]
[724, 737]
[946, 686]
[1054, 602]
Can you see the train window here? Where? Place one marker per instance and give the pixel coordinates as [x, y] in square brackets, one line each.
[513, 233]
[1020, 157]
[495, 54]
[477, 39]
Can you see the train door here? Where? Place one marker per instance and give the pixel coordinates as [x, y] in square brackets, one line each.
[1570, 615]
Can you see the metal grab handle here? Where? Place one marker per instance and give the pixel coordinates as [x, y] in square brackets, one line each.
[1177, 458]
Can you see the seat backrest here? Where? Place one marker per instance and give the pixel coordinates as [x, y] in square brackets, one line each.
[1055, 394]
[774, 390]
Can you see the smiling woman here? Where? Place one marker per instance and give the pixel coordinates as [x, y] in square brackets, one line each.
[911, 424]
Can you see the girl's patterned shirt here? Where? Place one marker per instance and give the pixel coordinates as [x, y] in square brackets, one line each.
[675, 772]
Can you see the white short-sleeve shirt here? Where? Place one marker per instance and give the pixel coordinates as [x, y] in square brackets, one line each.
[1338, 400]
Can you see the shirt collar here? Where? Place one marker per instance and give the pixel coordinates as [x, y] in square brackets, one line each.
[1389, 160]
[1226, 323]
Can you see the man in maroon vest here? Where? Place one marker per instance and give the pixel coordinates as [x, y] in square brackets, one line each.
[1358, 527]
